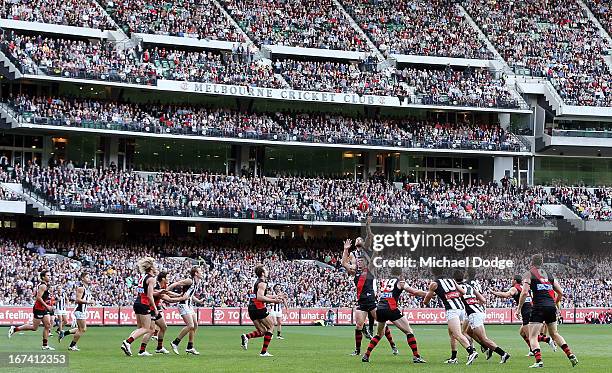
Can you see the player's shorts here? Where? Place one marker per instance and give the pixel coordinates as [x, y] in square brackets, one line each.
[142, 309]
[384, 315]
[276, 314]
[366, 305]
[451, 314]
[526, 315]
[39, 314]
[61, 313]
[78, 315]
[185, 309]
[543, 314]
[258, 314]
[159, 316]
[476, 319]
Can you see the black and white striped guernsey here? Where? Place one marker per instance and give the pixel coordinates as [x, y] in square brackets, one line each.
[277, 307]
[82, 307]
[472, 305]
[449, 294]
[190, 292]
[61, 302]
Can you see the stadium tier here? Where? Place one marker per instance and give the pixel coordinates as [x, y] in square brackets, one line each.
[369, 164]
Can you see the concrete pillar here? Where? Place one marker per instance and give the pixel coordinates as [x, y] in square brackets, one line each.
[246, 232]
[164, 227]
[371, 163]
[46, 150]
[112, 151]
[504, 120]
[501, 165]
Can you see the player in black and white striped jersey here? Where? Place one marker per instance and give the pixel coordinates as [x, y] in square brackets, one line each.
[450, 293]
[61, 308]
[276, 311]
[187, 288]
[83, 299]
[475, 310]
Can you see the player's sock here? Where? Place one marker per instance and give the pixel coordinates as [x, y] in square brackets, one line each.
[130, 340]
[499, 351]
[538, 354]
[266, 343]
[16, 329]
[566, 349]
[371, 324]
[526, 339]
[469, 350]
[254, 334]
[543, 338]
[176, 341]
[143, 347]
[413, 344]
[67, 332]
[358, 338]
[45, 341]
[72, 344]
[160, 343]
[389, 336]
[189, 345]
[453, 354]
[373, 342]
[278, 334]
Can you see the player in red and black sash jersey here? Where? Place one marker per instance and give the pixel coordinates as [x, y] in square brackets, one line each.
[388, 310]
[515, 293]
[450, 293]
[546, 296]
[144, 307]
[258, 312]
[43, 310]
[160, 293]
[357, 264]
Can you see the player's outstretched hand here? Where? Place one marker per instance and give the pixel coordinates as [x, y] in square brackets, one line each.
[347, 244]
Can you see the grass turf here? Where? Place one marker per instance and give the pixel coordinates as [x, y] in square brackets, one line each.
[313, 349]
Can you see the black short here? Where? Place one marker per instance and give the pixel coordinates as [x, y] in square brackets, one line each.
[142, 309]
[384, 315]
[258, 314]
[155, 318]
[38, 314]
[547, 315]
[366, 305]
[526, 315]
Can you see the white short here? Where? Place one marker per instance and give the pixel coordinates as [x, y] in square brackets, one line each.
[61, 313]
[477, 319]
[276, 314]
[78, 315]
[185, 309]
[451, 314]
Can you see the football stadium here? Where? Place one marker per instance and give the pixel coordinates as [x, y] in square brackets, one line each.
[305, 186]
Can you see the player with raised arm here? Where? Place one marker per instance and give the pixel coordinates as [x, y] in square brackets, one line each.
[388, 310]
[83, 300]
[475, 311]
[450, 293]
[277, 311]
[144, 307]
[546, 297]
[160, 294]
[258, 312]
[188, 288]
[42, 310]
[515, 293]
[357, 263]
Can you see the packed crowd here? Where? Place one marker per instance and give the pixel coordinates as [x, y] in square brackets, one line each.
[602, 9]
[186, 120]
[589, 204]
[200, 19]
[303, 23]
[8, 195]
[288, 198]
[294, 264]
[418, 27]
[470, 87]
[61, 12]
[552, 39]
[102, 61]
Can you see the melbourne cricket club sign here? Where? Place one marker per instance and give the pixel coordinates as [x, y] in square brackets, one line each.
[280, 94]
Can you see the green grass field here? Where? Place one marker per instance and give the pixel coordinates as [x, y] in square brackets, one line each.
[314, 349]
